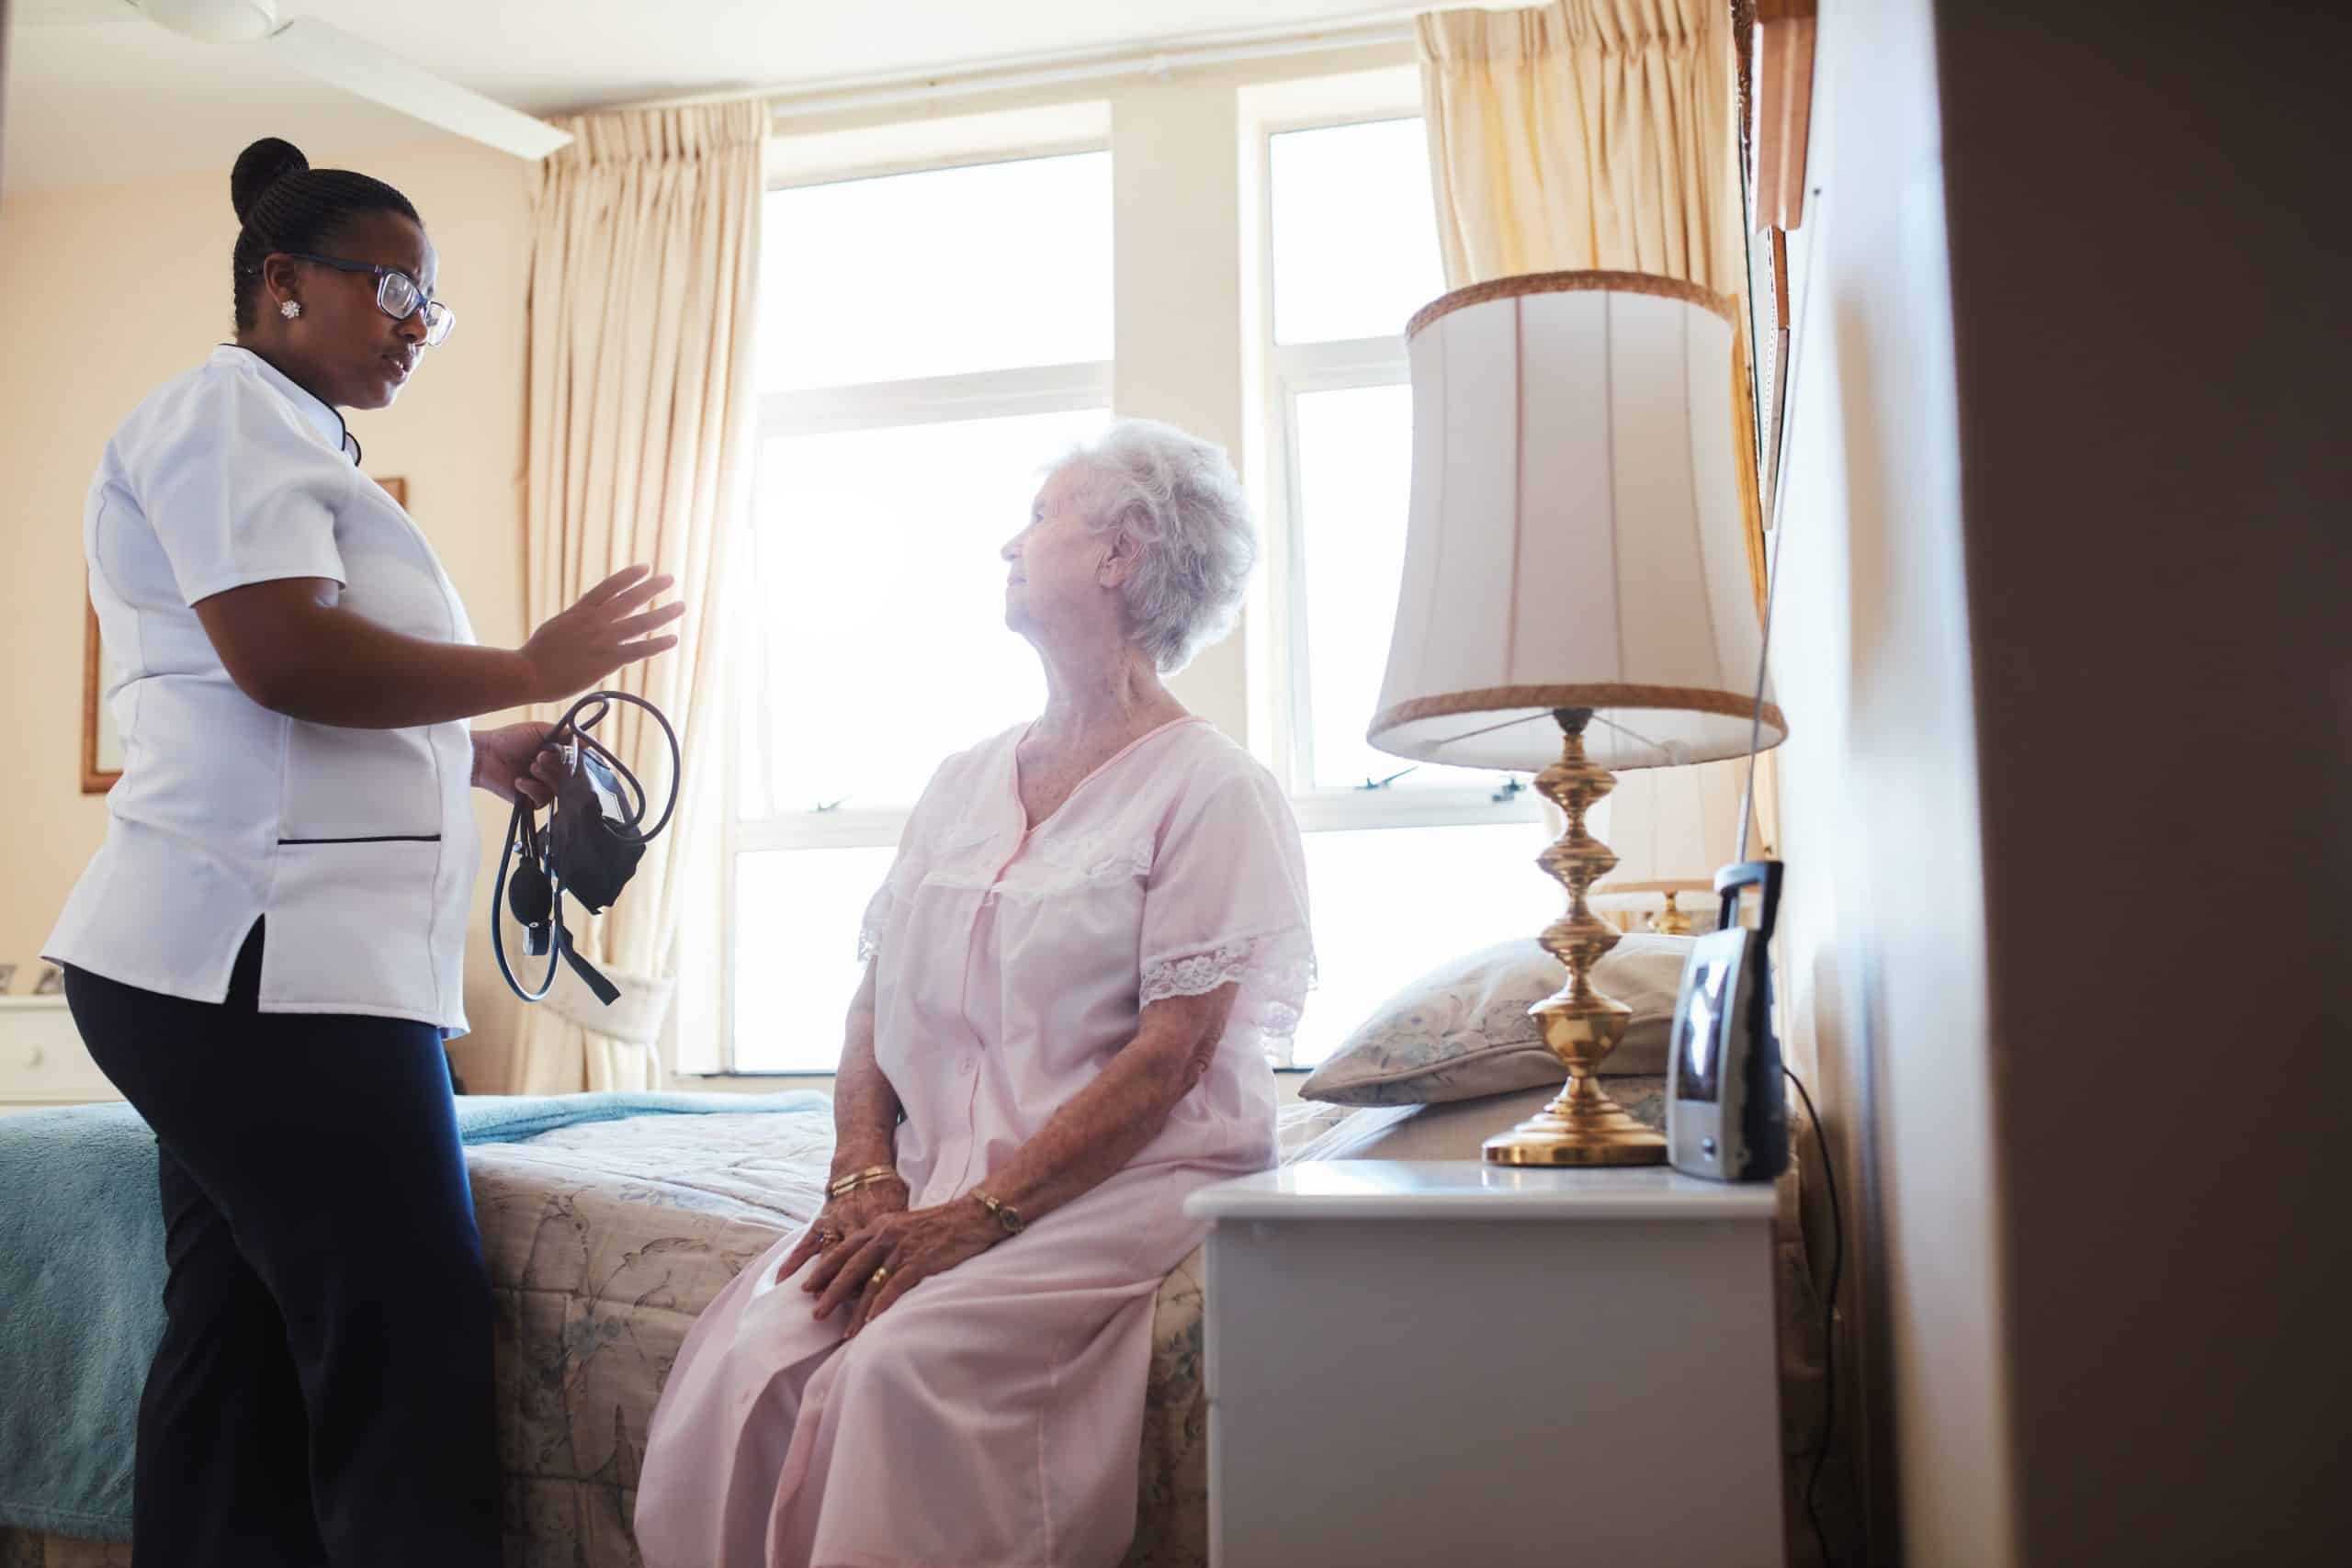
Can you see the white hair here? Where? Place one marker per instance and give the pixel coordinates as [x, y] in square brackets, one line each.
[1177, 497]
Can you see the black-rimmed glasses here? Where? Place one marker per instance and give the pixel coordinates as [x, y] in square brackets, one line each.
[397, 294]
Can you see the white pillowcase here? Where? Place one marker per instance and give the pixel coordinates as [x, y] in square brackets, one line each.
[1462, 1031]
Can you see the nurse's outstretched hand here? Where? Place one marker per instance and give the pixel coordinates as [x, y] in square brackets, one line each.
[610, 626]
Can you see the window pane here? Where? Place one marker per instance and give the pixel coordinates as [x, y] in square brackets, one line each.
[990, 266]
[1354, 230]
[1393, 903]
[795, 968]
[879, 610]
[1355, 460]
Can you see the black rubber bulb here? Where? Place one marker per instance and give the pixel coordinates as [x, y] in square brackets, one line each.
[529, 895]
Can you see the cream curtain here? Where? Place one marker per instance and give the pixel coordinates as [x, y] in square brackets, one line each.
[1585, 133]
[1594, 134]
[644, 277]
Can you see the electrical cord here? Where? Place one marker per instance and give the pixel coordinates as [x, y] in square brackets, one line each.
[1829, 1321]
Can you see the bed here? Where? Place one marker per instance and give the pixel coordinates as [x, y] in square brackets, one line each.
[605, 1240]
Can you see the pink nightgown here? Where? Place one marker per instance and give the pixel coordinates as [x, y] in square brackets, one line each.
[992, 1416]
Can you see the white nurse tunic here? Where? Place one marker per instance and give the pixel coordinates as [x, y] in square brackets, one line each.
[357, 845]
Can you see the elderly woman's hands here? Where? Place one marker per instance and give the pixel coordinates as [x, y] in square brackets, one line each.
[844, 1217]
[890, 1256]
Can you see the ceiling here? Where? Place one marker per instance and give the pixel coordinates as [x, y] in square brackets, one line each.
[95, 92]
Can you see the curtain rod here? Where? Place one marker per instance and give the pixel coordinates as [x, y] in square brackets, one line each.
[1055, 69]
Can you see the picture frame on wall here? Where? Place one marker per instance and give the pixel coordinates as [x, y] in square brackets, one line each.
[101, 739]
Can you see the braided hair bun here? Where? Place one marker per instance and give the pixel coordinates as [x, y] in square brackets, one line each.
[260, 166]
[283, 204]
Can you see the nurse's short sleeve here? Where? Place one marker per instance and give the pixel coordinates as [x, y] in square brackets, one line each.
[236, 491]
[1225, 903]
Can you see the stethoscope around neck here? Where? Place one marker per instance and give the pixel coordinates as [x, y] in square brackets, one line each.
[349, 446]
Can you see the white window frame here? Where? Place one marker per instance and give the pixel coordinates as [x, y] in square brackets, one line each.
[1274, 377]
[1291, 370]
[936, 399]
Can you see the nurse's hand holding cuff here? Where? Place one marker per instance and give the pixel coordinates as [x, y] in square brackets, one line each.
[512, 760]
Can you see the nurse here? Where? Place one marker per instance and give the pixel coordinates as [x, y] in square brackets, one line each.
[265, 955]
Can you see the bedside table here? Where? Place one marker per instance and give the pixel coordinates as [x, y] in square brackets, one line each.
[1417, 1363]
[42, 1060]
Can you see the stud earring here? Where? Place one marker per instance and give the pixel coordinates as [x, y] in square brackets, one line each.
[290, 310]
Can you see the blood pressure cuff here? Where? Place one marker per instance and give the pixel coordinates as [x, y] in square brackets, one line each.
[594, 837]
[589, 856]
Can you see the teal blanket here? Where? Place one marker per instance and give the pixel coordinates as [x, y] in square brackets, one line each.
[81, 1286]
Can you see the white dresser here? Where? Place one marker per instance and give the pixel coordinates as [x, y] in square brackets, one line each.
[1419, 1363]
[42, 1059]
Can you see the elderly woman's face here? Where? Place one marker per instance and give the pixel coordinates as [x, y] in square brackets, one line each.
[1057, 563]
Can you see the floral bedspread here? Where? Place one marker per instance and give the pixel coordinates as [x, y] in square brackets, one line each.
[604, 1241]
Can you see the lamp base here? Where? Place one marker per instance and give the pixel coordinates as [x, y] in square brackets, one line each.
[1594, 1132]
[1580, 1025]
[1583, 1126]
[1670, 921]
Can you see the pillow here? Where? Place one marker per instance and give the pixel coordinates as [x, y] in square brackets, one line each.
[1456, 1131]
[1462, 1031]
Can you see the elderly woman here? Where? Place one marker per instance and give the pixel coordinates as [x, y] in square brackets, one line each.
[1095, 925]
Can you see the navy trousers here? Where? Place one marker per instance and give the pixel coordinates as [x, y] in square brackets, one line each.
[322, 1393]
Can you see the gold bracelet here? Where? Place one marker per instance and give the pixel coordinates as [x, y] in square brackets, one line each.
[867, 1178]
[848, 1184]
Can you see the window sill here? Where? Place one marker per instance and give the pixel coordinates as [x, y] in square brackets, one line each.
[750, 1083]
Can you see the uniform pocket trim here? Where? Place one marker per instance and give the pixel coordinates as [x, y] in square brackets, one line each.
[377, 839]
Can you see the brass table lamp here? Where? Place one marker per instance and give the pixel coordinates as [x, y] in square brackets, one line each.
[1580, 595]
[1672, 920]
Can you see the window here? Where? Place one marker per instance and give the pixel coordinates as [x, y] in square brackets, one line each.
[1407, 864]
[909, 408]
[931, 342]
[1354, 232]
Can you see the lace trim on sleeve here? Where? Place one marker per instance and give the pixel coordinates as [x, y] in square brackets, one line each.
[1197, 973]
[876, 918]
[1275, 973]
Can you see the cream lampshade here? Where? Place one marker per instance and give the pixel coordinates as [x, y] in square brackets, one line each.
[1578, 595]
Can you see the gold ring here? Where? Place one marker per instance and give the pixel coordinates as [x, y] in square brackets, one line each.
[879, 1275]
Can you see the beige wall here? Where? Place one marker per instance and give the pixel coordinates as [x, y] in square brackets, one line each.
[107, 290]
[2064, 650]
[2153, 408]
[1885, 949]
